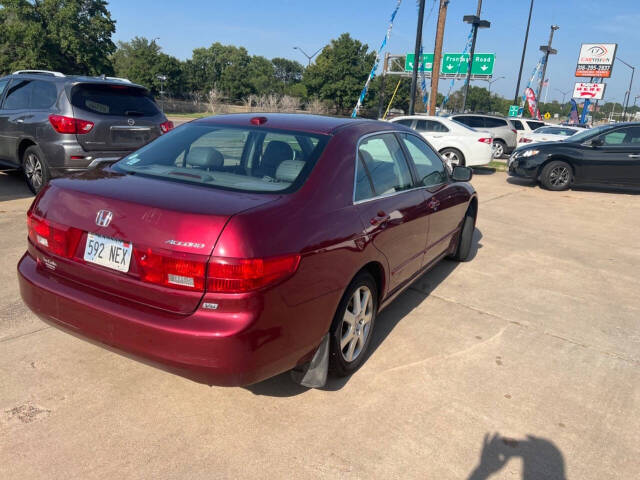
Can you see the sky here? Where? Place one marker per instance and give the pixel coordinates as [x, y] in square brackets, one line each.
[272, 28]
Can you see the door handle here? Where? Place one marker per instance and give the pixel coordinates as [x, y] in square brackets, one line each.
[380, 219]
[634, 155]
[20, 120]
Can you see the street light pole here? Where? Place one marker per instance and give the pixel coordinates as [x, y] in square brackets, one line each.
[416, 59]
[524, 50]
[476, 23]
[162, 78]
[547, 51]
[309, 57]
[628, 94]
[491, 83]
[564, 95]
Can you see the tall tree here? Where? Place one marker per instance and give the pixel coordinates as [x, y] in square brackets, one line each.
[340, 71]
[73, 36]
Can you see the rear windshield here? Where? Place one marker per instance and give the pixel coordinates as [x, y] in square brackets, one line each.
[241, 159]
[556, 130]
[113, 100]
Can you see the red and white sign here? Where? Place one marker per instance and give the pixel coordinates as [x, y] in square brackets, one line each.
[596, 60]
[533, 103]
[592, 91]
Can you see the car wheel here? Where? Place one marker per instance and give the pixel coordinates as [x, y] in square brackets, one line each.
[453, 157]
[465, 238]
[556, 176]
[352, 327]
[498, 148]
[35, 168]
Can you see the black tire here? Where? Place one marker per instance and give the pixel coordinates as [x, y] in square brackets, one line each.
[556, 176]
[340, 328]
[499, 148]
[465, 239]
[35, 169]
[450, 154]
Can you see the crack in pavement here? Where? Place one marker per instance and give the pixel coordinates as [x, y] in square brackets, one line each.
[502, 196]
[6, 339]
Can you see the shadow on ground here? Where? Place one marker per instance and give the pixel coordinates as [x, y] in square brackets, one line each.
[525, 182]
[283, 386]
[540, 457]
[13, 185]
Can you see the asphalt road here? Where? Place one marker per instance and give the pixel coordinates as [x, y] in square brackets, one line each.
[522, 363]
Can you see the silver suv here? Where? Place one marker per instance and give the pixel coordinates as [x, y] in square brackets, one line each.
[51, 123]
[505, 138]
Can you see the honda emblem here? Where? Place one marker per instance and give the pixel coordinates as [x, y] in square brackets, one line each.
[103, 219]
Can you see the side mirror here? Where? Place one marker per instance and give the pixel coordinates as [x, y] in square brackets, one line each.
[596, 142]
[462, 174]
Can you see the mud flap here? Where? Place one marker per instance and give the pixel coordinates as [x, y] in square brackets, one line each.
[314, 373]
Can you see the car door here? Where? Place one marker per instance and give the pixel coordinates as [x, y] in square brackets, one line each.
[617, 160]
[435, 133]
[15, 109]
[445, 200]
[391, 209]
[3, 121]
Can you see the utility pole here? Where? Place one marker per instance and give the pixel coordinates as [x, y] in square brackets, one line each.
[437, 56]
[547, 51]
[385, 66]
[524, 51]
[416, 59]
[476, 23]
[628, 94]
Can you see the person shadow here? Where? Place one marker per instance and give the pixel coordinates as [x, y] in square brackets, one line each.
[541, 459]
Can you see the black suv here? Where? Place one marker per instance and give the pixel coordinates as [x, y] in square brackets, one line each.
[52, 123]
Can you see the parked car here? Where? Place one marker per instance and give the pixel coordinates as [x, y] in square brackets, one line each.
[51, 123]
[504, 132]
[233, 247]
[457, 143]
[548, 134]
[525, 126]
[608, 155]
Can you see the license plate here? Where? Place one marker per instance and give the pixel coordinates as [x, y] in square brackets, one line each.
[108, 252]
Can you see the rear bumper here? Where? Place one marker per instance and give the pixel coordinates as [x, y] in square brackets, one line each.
[60, 161]
[211, 347]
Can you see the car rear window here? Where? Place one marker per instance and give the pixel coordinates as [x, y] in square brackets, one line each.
[232, 158]
[113, 100]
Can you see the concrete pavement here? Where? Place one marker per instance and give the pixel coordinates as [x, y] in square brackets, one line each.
[522, 363]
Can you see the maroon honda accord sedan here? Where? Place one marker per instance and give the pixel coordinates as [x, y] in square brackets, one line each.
[238, 247]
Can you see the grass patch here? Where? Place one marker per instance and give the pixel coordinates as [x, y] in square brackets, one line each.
[498, 166]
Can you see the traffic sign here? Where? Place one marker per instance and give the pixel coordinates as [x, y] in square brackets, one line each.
[513, 110]
[547, 116]
[455, 64]
[458, 64]
[426, 62]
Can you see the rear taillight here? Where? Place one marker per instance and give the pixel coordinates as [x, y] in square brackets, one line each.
[166, 126]
[486, 140]
[514, 131]
[172, 269]
[525, 140]
[62, 124]
[235, 275]
[53, 237]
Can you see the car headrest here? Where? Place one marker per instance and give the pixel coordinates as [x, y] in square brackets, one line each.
[276, 152]
[289, 170]
[205, 157]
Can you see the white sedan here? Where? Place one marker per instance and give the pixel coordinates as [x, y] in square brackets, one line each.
[457, 143]
[548, 134]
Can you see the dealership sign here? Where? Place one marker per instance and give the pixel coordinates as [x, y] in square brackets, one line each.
[596, 60]
[592, 91]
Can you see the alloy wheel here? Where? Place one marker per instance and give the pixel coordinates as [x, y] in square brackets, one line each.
[33, 170]
[498, 150]
[559, 176]
[356, 324]
[451, 158]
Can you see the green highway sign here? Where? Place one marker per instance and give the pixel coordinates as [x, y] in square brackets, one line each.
[454, 64]
[514, 110]
[458, 63]
[426, 62]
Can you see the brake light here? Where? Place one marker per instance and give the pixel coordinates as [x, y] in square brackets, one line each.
[525, 140]
[514, 131]
[172, 269]
[62, 124]
[166, 126]
[53, 237]
[235, 275]
[486, 140]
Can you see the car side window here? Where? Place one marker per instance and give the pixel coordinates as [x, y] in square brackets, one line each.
[622, 136]
[381, 167]
[43, 95]
[517, 124]
[3, 85]
[407, 122]
[494, 122]
[430, 126]
[429, 166]
[534, 125]
[18, 95]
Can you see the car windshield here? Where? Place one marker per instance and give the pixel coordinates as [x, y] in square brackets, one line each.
[242, 159]
[556, 130]
[591, 132]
